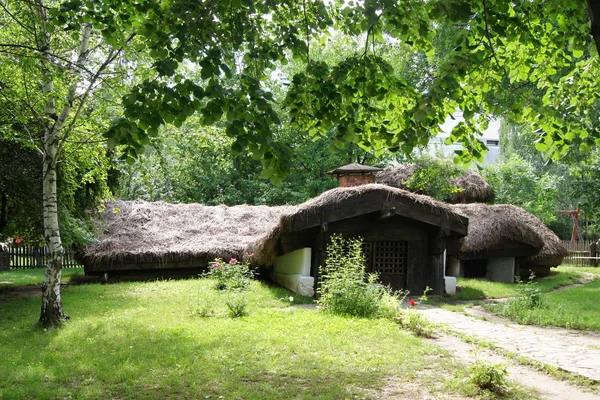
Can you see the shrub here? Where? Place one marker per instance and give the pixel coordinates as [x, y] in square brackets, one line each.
[520, 308]
[233, 275]
[486, 376]
[416, 323]
[346, 289]
[530, 293]
[236, 304]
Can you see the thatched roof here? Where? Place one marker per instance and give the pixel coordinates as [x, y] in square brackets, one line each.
[474, 189]
[327, 206]
[151, 231]
[498, 226]
[396, 176]
[354, 168]
[552, 253]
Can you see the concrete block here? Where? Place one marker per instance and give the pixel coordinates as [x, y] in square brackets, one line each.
[294, 263]
[501, 269]
[450, 285]
[454, 268]
[301, 284]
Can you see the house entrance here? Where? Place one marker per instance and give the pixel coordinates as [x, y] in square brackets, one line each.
[389, 259]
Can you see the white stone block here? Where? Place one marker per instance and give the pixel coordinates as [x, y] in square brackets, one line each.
[450, 285]
[501, 269]
[294, 263]
[301, 284]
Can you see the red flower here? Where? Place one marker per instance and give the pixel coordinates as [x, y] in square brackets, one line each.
[412, 303]
[233, 261]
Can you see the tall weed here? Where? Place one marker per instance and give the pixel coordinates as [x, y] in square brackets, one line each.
[346, 288]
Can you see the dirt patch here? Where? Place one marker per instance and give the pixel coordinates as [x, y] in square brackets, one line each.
[397, 389]
[23, 290]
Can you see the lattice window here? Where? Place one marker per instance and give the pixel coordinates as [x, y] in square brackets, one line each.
[389, 258]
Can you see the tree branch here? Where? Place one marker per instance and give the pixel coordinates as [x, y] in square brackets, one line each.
[22, 25]
[46, 53]
[487, 32]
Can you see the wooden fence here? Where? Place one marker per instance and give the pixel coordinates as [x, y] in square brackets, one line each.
[24, 256]
[579, 253]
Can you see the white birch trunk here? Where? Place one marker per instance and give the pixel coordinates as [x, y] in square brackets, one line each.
[52, 313]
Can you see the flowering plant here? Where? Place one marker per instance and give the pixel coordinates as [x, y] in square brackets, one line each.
[232, 275]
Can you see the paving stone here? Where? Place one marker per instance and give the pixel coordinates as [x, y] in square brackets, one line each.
[561, 348]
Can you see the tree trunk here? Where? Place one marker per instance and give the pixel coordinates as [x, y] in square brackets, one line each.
[3, 210]
[594, 11]
[52, 314]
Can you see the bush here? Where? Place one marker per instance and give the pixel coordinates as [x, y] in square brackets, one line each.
[416, 323]
[486, 376]
[236, 304]
[346, 289]
[233, 275]
[520, 308]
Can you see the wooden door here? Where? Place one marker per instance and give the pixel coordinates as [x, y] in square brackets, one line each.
[389, 259]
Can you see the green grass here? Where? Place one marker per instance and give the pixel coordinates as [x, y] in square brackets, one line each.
[479, 289]
[32, 276]
[574, 308]
[147, 340]
[580, 270]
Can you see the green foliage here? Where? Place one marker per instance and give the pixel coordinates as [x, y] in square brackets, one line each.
[237, 304]
[529, 298]
[529, 61]
[477, 289]
[530, 292]
[415, 322]
[346, 289]
[574, 308]
[232, 275]
[21, 169]
[516, 182]
[434, 178]
[489, 377]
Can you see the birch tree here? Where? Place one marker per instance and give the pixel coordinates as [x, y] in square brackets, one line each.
[54, 70]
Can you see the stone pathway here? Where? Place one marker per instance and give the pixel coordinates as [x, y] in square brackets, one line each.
[544, 386]
[572, 351]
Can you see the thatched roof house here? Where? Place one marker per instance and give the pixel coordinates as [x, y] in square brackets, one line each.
[406, 237]
[473, 188]
[405, 234]
[142, 235]
[397, 175]
[507, 231]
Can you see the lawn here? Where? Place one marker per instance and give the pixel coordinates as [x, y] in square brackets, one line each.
[480, 289]
[574, 308]
[32, 276]
[149, 340]
[579, 270]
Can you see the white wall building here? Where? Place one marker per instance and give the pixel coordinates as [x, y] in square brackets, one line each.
[490, 137]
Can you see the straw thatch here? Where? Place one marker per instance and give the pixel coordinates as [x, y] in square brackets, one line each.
[553, 252]
[473, 188]
[266, 248]
[493, 226]
[354, 168]
[396, 176]
[144, 232]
